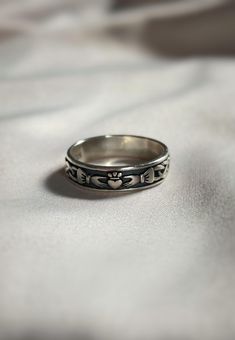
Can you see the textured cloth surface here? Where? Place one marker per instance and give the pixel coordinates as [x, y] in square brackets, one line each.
[157, 264]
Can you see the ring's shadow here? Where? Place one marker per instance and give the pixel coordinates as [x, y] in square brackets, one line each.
[60, 185]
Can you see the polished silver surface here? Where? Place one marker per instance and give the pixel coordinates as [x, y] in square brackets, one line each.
[117, 162]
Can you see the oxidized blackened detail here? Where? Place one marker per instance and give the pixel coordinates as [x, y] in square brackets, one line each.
[115, 179]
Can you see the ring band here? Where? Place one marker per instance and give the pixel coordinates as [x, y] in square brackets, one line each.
[117, 162]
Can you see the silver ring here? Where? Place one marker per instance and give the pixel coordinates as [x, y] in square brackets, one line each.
[117, 162]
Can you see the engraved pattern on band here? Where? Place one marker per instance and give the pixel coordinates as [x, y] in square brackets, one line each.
[117, 179]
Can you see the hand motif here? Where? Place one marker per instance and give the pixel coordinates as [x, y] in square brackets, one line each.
[162, 168]
[96, 180]
[133, 180]
[82, 177]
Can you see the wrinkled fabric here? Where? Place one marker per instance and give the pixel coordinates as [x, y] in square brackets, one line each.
[155, 264]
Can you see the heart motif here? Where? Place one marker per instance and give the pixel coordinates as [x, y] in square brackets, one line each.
[115, 183]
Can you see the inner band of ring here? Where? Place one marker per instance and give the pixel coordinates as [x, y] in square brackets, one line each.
[117, 162]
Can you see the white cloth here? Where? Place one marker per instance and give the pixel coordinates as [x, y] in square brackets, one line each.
[158, 264]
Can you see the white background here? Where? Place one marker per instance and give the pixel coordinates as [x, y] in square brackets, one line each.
[157, 264]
